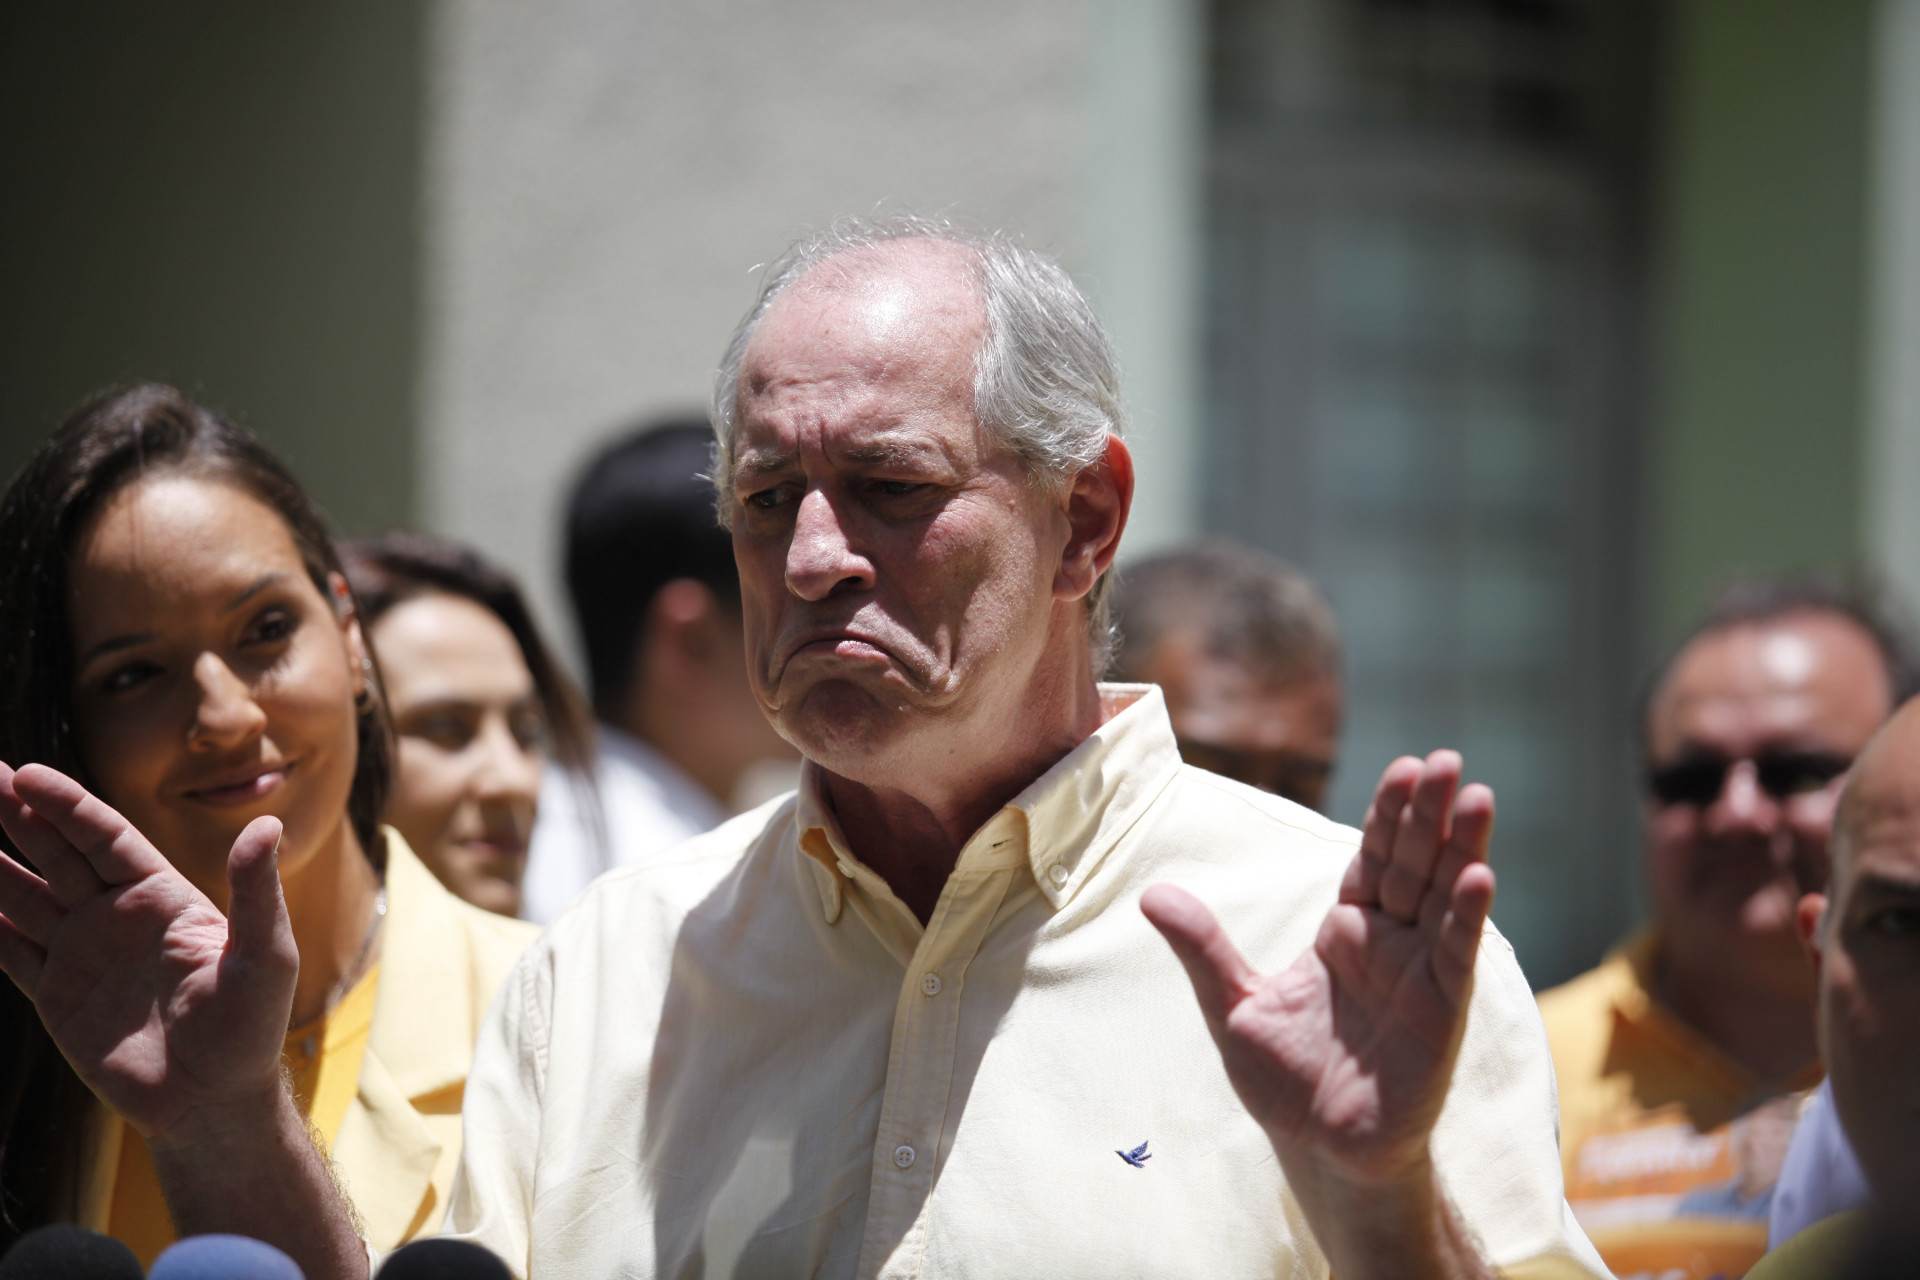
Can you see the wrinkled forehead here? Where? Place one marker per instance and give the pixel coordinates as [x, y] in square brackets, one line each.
[889, 306]
[1813, 679]
[870, 355]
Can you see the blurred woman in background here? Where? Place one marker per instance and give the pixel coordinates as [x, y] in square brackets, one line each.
[478, 704]
[177, 635]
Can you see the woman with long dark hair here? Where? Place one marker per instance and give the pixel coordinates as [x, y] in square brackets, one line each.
[478, 704]
[179, 644]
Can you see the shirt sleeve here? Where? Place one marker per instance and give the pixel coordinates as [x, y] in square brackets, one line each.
[1497, 1145]
[491, 1203]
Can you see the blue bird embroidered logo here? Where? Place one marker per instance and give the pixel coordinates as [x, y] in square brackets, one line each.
[1137, 1157]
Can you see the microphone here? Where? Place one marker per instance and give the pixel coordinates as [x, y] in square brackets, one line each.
[222, 1257]
[442, 1260]
[65, 1252]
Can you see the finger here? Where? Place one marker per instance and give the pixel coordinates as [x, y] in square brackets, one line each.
[258, 932]
[20, 958]
[116, 852]
[1220, 975]
[1378, 830]
[67, 873]
[1468, 844]
[26, 900]
[1422, 830]
[1460, 929]
[1345, 945]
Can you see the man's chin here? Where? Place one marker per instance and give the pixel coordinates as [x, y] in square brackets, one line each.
[839, 723]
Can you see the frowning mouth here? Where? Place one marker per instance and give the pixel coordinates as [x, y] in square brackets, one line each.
[238, 789]
[835, 644]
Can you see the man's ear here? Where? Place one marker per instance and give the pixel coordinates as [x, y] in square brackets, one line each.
[683, 622]
[1096, 503]
[1811, 913]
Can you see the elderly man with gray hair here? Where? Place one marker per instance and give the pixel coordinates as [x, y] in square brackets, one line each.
[914, 1019]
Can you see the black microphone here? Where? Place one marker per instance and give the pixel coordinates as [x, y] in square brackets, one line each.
[442, 1260]
[64, 1252]
[224, 1257]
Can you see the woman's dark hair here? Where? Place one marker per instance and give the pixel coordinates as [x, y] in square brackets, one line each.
[120, 437]
[389, 569]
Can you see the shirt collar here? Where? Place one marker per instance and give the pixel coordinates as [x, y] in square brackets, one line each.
[1063, 825]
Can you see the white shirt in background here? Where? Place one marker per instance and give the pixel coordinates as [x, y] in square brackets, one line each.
[1820, 1176]
[650, 804]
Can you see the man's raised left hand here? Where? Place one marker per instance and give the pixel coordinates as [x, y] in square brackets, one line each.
[1344, 1058]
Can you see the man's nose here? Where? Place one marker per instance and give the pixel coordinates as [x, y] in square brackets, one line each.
[821, 558]
[226, 714]
[1742, 805]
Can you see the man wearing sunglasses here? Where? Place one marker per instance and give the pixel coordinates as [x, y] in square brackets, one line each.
[1683, 1058]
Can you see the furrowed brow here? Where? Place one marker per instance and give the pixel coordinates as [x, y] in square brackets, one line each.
[881, 453]
[757, 464]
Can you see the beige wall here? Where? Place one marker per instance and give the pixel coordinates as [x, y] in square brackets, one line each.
[603, 178]
[1757, 462]
[220, 194]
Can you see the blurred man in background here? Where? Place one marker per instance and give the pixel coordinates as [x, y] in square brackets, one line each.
[1865, 936]
[1248, 655]
[1683, 1055]
[657, 601]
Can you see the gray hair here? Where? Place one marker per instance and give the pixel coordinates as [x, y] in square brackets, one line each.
[1245, 606]
[1045, 383]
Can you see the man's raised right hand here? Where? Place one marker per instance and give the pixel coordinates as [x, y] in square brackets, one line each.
[172, 1013]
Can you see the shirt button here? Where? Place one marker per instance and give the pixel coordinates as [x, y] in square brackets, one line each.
[1057, 874]
[930, 985]
[903, 1156]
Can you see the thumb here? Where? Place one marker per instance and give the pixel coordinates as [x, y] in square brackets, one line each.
[1220, 975]
[257, 926]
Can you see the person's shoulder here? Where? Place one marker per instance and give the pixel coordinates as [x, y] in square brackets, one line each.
[1220, 807]
[1267, 867]
[1822, 1250]
[431, 906]
[673, 882]
[1579, 1018]
[1589, 997]
[493, 930]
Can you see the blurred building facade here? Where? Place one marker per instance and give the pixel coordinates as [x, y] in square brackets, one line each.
[1523, 324]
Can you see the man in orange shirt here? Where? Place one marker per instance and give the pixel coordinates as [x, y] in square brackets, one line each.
[1683, 1058]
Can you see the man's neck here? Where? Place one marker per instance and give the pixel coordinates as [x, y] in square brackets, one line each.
[1759, 1014]
[911, 832]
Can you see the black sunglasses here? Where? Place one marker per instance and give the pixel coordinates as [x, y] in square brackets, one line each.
[1698, 780]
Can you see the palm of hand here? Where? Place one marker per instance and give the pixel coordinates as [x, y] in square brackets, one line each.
[136, 981]
[1339, 1051]
[158, 1001]
[1345, 1056]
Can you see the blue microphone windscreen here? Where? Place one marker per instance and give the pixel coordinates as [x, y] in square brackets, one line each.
[443, 1260]
[216, 1257]
[63, 1252]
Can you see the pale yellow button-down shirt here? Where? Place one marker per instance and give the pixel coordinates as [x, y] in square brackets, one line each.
[751, 1059]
